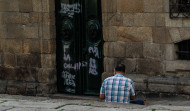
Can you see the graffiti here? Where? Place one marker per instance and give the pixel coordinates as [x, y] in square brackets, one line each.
[92, 67]
[93, 50]
[70, 9]
[66, 56]
[69, 79]
[75, 66]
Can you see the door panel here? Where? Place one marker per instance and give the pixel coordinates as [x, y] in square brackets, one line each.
[79, 46]
[94, 46]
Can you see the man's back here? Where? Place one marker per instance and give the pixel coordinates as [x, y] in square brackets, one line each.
[117, 89]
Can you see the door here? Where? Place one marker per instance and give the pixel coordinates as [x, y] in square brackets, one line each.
[79, 46]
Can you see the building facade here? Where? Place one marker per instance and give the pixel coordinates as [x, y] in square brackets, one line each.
[148, 36]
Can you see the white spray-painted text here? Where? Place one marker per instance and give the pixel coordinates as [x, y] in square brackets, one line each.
[92, 67]
[93, 50]
[70, 9]
[69, 79]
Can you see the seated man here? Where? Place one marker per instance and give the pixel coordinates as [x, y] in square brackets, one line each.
[118, 88]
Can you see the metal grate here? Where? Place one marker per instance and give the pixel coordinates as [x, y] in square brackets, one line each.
[184, 50]
[179, 8]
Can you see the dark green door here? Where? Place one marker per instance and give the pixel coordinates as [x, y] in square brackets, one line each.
[79, 46]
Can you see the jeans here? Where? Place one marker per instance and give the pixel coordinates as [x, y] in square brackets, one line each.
[139, 101]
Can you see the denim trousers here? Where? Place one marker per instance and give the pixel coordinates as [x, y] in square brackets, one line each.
[139, 101]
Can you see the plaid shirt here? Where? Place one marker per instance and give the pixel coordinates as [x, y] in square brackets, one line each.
[117, 88]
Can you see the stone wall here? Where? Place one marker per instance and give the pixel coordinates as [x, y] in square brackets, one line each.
[27, 47]
[141, 35]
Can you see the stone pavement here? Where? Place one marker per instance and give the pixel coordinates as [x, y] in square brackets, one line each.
[85, 103]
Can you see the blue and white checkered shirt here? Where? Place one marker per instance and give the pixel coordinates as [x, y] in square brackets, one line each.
[117, 88]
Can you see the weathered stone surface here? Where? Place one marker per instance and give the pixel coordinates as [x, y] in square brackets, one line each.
[162, 88]
[30, 31]
[31, 89]
[175, 35]
[169, 52]
[3, 31]
[160, 35]
[109, 6]
[48, 46]
[183, 74]
[31, 46]
[128, 19]
[51, 5]
[183, 89]
[106, 49]
[166, 6]
[34, 18]
[46, 5]
[117, 49]
[1, 58]
[1, 18]
[140, 86]
[130, 5]
[26, 74]
[135, 34]
[160, 19]
[186, 23]
[138, 78]
[15, 31]
[37, 5]
[12, 18]
[104, 19]
[48, 18]
[3, 84]
[106, 75]
[14, 87]
[13, 5]
[185, 33]
[163, 80]
[48, 60]
[150, 67]
[47, 76]
[25, 18]
[134, 50]
[44, 88]
[28, 60]
[19, 74]
[47, 31]
[114, 19]
[4, 5]
[130, 66]
[177, 65]
[172, 22]
[12, 46]
[25, 6]
[144, 19]
[153, 51]
[109, 64]
[184, 81]
[110, 34]
[9, 60]
[153, 5]
[7, 73]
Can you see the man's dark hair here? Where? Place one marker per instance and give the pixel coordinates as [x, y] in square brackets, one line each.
[120, 67]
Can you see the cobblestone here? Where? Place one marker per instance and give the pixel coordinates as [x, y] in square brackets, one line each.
[85, 103]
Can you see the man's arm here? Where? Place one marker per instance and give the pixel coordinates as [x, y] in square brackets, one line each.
[102, 96]
[132, 97]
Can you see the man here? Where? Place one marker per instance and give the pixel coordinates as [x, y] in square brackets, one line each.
[118, 88]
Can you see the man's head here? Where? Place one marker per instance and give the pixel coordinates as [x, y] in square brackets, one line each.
[120, 68]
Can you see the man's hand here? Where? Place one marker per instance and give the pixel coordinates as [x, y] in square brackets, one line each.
[102, 96]
[132, 97]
